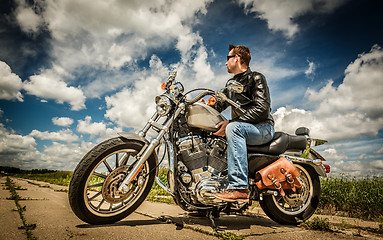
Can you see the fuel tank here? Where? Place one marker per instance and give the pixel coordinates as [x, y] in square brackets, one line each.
[200, 115]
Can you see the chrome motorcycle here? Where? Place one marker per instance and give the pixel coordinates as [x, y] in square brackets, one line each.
[115, 177]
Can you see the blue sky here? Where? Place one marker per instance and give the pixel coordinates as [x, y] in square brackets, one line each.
[73, 73]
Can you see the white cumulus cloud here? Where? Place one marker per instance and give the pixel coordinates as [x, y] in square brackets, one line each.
[63, 135]
[96, 129]
[62, 121]
[348, 111]
[94, 35]
[50, 85]
[280, 14]
[20, 151]
[28, 19]
[11, 143]
[58, 156]
[132, 107]
[10, 84]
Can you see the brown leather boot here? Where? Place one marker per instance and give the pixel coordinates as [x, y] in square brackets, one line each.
[233, 195]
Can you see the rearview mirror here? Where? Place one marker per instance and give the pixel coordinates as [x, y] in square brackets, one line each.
[235, 86]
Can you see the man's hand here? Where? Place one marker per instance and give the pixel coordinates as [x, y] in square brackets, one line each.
[221, 128]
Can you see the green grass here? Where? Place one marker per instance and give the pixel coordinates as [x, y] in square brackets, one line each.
[317, 223]
[359, 198]
[157, 193]
[59, 178]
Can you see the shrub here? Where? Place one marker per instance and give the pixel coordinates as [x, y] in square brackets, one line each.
[361, 198]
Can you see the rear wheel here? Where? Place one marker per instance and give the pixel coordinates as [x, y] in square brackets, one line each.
[295, 206]
[93, 190]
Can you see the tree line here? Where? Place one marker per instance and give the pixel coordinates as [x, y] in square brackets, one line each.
[14, 170]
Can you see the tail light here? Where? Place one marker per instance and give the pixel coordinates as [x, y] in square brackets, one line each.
[327, 167]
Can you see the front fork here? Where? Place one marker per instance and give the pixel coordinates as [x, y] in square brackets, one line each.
[148, 149]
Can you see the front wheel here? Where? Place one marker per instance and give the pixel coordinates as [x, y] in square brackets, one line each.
[93, 190]
[295, 206]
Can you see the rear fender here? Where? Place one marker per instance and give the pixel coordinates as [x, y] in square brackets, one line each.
[316, 164]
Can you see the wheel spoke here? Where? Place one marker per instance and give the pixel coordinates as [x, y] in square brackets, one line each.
[117, 161]
[124, 159]
[96, 185]
[107, 166]
[99, 205]
[94, 196]
[99, 175]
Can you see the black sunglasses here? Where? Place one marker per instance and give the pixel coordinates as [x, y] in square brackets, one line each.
[228, 57]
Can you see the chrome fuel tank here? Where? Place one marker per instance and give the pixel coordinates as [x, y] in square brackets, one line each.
[200, 115]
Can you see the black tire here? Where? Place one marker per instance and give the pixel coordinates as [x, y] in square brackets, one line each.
[278, 209]
[92, 191]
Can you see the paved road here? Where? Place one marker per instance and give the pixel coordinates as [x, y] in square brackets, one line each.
[50, 211]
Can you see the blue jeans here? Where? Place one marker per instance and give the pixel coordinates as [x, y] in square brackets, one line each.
[238, 135]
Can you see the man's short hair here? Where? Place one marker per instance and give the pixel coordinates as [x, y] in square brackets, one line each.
[243, 52]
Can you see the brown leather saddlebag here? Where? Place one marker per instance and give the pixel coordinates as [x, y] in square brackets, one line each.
[280, 175]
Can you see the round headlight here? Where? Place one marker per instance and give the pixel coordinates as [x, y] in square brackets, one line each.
[176, 89]
[163, 105]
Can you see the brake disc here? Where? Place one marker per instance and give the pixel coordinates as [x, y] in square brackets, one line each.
[110, 187]
[298, 198]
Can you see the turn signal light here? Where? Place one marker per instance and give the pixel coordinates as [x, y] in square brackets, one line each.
[211, 101]
[163, 86]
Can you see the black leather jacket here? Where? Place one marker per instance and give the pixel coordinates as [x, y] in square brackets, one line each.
[255, 99]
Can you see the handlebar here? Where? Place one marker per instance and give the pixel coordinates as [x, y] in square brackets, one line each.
[218, 94]
[199, 96]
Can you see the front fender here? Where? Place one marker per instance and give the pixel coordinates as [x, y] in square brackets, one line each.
[133, 136]
[136, 137]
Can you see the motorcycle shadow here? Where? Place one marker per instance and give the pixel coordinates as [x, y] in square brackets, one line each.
[224, 222]
[129, 223]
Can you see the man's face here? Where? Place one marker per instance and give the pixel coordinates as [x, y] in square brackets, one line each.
[231, 61]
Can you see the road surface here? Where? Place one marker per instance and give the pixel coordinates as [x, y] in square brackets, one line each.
[48, 208]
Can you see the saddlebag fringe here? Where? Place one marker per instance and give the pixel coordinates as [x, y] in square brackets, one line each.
[280, 175]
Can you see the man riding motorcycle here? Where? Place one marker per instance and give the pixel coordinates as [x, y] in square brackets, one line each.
[255, 126]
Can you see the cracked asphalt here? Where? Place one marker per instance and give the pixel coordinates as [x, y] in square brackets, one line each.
[47, 206]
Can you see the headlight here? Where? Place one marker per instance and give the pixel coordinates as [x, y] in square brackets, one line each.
[163, 105]
[176, 89]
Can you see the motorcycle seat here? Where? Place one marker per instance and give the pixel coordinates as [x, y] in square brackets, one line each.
[280, 144]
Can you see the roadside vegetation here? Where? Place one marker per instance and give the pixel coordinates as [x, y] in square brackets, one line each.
[59, 178]
[354, 197]
[316, 223]
[157, 193]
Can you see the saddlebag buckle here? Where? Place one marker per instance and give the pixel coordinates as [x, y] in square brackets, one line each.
[280, 175]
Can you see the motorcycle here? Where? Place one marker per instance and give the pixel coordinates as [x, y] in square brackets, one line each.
[114, 178]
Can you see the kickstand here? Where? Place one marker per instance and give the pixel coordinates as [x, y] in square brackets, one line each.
[211, 217]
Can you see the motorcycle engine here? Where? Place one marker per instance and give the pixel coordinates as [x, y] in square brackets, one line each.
[202, 167]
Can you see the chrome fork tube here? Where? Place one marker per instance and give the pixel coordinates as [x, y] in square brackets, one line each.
[154, 118]
[150, 148]
[171, 176]
[172, 167]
